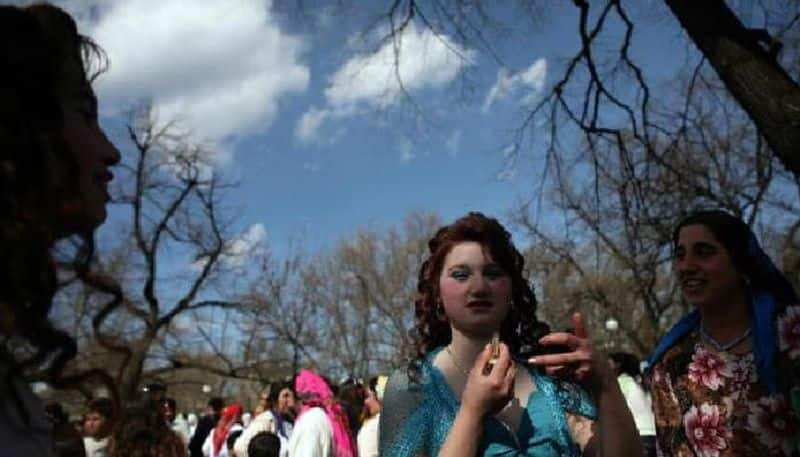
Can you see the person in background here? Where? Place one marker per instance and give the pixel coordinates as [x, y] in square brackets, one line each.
[270, 419]
[191, 422]
[321, 428]
[351, 396]
[55, 163]
[229, 422]
[97, 426]
[627, 368]
[368, 434]
[232, 437]
[204, 426]
[67, 440]
[265, 444]
[287, 402]
[174, 420]
[157, 392]
[142, 432]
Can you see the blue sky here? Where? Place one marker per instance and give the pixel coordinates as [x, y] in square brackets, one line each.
[312, 125]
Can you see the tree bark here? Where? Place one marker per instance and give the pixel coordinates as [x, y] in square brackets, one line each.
[752, 75]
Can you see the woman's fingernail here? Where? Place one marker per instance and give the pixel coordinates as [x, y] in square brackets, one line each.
[532, 360]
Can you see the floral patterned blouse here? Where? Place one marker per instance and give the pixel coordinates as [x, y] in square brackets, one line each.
[710, 403]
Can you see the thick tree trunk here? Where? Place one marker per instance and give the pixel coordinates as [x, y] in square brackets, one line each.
[761, 86]
[132, 373]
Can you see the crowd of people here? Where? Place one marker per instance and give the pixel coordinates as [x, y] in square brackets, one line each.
[487, 377]
[307, 417]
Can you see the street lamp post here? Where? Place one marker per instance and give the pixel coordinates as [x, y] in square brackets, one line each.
[611, 325]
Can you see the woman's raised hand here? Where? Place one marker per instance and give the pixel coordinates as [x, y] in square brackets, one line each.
[581, 364]
[487, 392]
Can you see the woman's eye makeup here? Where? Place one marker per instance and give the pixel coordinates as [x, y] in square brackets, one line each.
[488, 272]
[493, 272]
[459, 274]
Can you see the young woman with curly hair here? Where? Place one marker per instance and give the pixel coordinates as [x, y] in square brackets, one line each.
[455, 400]
[54, 168]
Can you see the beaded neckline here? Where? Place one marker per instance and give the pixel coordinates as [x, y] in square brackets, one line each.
[727, 345]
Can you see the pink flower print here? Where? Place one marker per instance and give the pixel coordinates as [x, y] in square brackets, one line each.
[744, 375]
[707, 430]
[789, 332]
[708, 368]
[772, 420]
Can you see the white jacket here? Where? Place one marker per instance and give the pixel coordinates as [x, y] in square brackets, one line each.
[208, 444]
[264, 422]
[312, 435]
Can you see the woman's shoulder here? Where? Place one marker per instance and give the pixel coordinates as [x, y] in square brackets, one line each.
[570, 396]
[406, 384]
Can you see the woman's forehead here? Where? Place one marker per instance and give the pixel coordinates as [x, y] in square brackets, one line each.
[694, 233]
[468, 252]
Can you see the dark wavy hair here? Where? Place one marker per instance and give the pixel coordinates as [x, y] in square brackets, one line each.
[738, 239]
[36, 44]
[142, 432]
[520, 330]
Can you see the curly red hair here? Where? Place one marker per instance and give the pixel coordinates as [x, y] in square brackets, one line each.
[520, 329]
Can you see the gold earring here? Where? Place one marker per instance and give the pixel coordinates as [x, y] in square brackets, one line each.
[440, 314]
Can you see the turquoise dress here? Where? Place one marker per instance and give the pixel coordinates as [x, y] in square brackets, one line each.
[416, 417]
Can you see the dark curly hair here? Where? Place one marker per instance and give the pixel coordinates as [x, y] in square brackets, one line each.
[520, 330]
[36, 45]
[142, 432]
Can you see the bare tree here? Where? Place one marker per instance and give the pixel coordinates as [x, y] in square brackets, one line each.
[366, 289]
[604, 92]
[624, 156]
[170, 246]
[620, 224]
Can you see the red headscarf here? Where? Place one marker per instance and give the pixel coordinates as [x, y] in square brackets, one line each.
[230, 416]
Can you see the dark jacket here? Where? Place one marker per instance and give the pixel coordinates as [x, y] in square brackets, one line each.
[204, 427]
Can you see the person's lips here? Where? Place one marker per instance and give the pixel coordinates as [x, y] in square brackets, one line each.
[692, 285]
[480, 304]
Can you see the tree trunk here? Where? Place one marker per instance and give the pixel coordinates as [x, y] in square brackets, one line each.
[132, 373]
[755, 79]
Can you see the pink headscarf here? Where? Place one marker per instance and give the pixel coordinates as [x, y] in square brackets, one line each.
[315, 392]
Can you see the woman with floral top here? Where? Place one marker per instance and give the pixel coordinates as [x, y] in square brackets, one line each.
[725, 377]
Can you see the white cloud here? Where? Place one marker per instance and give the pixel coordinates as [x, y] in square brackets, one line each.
[507, 175]
[530, 82]
[369, 81]
[219, 67]
[453, 143]
[406, 150]
[311, 167]
[238, 252]
[308, 126]
[249, 245]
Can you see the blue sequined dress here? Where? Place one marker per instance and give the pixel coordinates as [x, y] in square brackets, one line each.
[416, 417]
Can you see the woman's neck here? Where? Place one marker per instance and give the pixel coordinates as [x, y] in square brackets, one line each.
[728, 321]
[465, 348]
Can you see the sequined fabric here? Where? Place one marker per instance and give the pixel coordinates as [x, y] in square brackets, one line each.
[416, 417]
